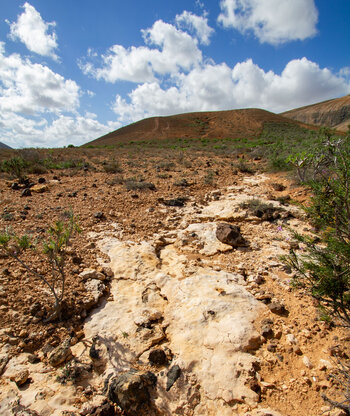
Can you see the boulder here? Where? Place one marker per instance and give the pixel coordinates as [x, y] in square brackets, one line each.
[130, 391]
[60, 354]
[230, 234]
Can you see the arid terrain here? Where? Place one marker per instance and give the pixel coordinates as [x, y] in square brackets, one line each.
[156, 300]
[332, 113]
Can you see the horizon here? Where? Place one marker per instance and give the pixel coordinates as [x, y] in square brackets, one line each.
[69, 75]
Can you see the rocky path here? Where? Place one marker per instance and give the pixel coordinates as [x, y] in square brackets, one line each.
[192, 325]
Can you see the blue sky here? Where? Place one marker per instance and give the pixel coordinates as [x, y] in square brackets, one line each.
[71, 71]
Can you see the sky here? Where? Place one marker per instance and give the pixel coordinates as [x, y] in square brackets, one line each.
[72, 71]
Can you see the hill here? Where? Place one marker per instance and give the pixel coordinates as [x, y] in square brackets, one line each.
[215, 124]
[331, 113]
[4, 146]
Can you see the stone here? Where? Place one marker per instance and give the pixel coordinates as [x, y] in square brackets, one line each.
[26, 192]
[4, 359]
[278, 309]
[130, 391]
[40, 188]
[60, 354]
[96, 289]
[230, 234]
[266, 328]
[307, 362]
[91, 274]
[173, 374]
[20, 377]
[158, 357]
[291, 340]
[177, 202]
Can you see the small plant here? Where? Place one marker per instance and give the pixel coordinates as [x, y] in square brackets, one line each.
[112, 166]
[244, 167]
[260, 209]
[209, 177]
[16, 167]
[134, 185]
[53, 249]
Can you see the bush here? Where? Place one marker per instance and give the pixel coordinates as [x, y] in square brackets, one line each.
[53, 249]
[112, 166]
[324, 267]
[16, 167]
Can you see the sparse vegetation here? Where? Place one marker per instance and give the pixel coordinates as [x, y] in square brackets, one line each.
[323, 267]
[53, 249]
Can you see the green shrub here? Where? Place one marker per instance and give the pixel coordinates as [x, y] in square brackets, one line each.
[16, 167]
[53, 249]
[112, 166]
[323, 268]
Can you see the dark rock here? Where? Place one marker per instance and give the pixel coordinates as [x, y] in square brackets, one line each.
[3, 362]
[278, 309]
[158, 357]
[93, 352]
[177, 202]
[72, 194]
[26, 192]
[107, 409]
[76, 259]
[173, 374]
[99, 215]
[130, 391]
[60, 354]
[266, 328]
[33, 359]
[272, 347]
[230, 234]
[15, 186]
[278, 187]
[41, 180]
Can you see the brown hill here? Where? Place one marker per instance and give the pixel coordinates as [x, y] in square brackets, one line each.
[332, 113]
[215, 124]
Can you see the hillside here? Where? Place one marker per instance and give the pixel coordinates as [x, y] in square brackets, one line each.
[331, 113]
[215, 124]
[4, 146]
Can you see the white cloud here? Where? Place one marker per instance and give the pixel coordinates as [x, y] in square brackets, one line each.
[219, 87]
[197, 24]
[33, 31]
[173, 50]
[271, 21]
[18, 131]
[29, 88]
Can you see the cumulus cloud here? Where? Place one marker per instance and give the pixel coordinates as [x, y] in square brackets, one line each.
[19, 131]
[29, 88]
[33, 31]
[173, 50]
[271, 21]
[219, 87]
[197, 24]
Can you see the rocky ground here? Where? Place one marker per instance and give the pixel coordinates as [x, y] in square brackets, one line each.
[176, 302]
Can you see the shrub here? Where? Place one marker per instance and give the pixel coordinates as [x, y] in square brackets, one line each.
[16, 167]
[53, 249]
[134, 185]
[324, 267]
[112, 166]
